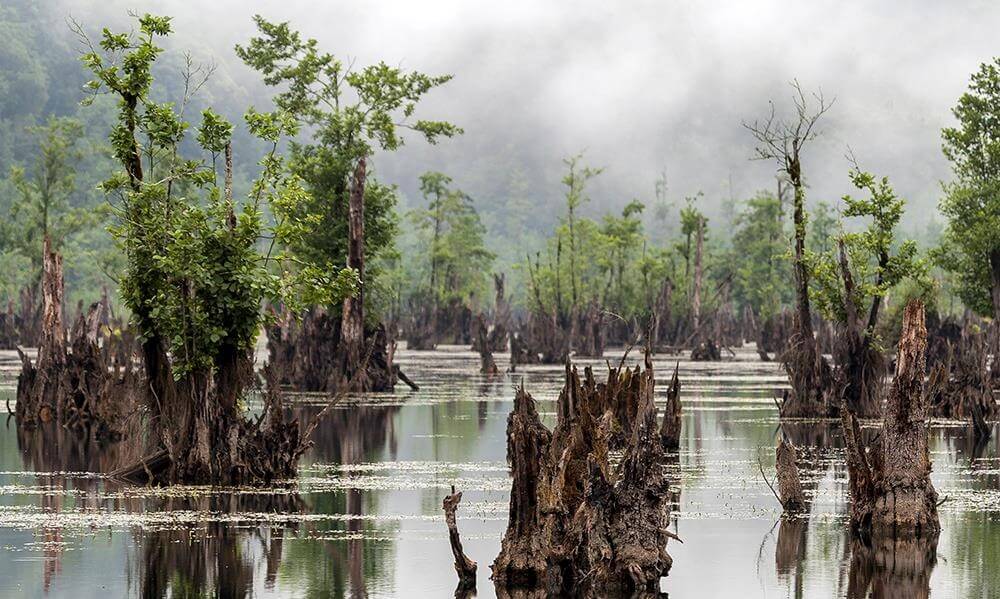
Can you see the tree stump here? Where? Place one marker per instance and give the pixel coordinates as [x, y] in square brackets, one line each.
[487, 365]
[891, 491]
[670, 428]
[790, 494]
[576, 524]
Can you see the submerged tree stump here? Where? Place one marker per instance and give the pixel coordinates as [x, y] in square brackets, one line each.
[481, 344]
[501, 316]
[790, 494]
[670, 428]
[465, 567]
[891, 491]
[576, 524]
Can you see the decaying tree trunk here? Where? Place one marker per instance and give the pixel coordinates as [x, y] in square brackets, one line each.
[706, 351]
[487, 365]
[351, 347]
[465, 567]
[590, 332]
[575, 523]
[501, 317]
[670, 428]
[861, 366]
[304, 353]
[891, 491]
[790, 494]
[76, 389]
[39, 392]
[539, 341]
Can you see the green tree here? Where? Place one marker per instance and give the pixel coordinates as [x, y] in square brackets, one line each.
[971, 246]
[42, 205]
[195, 277]
[454, 245]
[762, 270]
[858, 277]
[350, 112]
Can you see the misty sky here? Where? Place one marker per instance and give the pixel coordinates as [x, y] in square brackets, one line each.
[641, 86]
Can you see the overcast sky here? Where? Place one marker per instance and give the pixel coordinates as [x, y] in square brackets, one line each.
[643, 86]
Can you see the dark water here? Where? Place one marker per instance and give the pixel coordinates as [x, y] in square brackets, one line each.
[365, 516]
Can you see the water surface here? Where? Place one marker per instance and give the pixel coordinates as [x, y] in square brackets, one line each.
[364, 518]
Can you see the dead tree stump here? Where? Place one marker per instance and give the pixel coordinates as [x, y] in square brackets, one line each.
[487, 365]
[790, 494]
[465, 567]
[576, 524]
[670, 428]
[891, 491]
[501, 316]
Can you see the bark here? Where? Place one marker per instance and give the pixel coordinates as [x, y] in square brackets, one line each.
[793, 499]
[808, 372]
[487, 365]
[590, 332]
[39, 390]
[305, 353]
[891, 492]
[352, 342]
[670, 428]
[501, 316]
[577, 525]
[465, 567]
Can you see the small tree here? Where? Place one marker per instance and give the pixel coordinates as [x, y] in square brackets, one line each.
[851, 285]
[759, 255]
[43, 204]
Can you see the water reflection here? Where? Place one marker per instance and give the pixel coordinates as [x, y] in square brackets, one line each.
[365, 520]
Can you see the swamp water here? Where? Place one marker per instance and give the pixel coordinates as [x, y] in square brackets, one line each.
[365, 517]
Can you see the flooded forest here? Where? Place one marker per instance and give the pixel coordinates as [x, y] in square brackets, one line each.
[516, 302]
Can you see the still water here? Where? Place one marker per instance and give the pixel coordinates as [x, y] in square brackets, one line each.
[364, 517]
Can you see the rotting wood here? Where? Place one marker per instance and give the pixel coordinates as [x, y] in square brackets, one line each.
[891, 491]
[670, 428]
[464, 567]
[790, 494]
[576, 524]
[487, 365]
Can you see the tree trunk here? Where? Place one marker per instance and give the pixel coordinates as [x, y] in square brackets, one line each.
[465, 567]
[891, 491]
[670, 428]
[793, 500]
[352, 331]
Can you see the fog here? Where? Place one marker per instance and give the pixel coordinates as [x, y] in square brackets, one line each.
[642, 87]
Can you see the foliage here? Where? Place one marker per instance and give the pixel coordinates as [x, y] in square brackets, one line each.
[972, 199]
[351, 113]
[194, 275]
[876, 260]
[760, 258]
[452, 240]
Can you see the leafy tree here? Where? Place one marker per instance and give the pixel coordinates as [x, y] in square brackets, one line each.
[350, 113]
[42, 206]
[762, 271]
[456, 253]
[194, 276]
[971, 245]
[624, 238]
[867, 265]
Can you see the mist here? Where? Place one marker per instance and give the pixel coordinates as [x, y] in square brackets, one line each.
[642, 88]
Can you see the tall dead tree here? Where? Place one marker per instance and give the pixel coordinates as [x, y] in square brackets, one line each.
[891, 491]
[783, 141]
